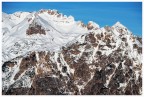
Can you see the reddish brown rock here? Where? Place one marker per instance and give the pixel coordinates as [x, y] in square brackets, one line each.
[37, 29]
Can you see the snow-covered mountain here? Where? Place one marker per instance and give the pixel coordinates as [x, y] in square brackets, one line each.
[47, 53]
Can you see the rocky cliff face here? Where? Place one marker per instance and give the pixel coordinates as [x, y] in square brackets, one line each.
[103, 61]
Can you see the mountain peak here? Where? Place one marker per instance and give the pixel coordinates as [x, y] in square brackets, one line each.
[92, 25]
[118, 24]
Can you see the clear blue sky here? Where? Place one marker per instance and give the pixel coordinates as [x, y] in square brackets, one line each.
[103, 13]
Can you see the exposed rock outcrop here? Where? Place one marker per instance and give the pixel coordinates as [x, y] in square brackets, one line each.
[85, 68]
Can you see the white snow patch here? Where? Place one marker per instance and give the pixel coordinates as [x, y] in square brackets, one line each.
[122, 84]
[137, 74]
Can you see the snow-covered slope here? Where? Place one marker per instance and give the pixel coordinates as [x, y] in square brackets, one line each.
[10, 20]
[59, 31]
[46, 52]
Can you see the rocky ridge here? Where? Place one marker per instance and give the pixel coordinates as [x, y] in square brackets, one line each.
[97, 61]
